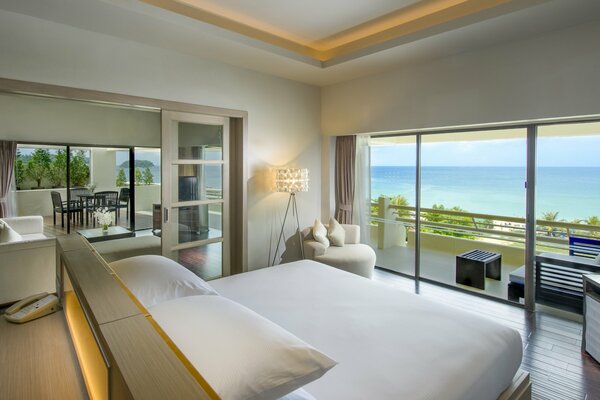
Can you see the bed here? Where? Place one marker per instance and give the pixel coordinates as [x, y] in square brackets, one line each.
[387, 344]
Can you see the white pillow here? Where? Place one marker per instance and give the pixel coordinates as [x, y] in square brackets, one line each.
[240, 354]
[153, 279]
[299, 394]
[8, 234]
[335, 233]
[320, 233]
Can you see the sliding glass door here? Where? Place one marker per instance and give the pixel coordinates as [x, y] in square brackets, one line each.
[393, 201]
[473, 199]
[568, 210]
[195, 182]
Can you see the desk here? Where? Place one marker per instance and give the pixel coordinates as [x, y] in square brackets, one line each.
[98, 235]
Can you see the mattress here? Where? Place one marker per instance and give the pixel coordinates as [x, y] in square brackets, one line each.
[390, 344]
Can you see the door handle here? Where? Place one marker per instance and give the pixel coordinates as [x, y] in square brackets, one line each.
[166, 215]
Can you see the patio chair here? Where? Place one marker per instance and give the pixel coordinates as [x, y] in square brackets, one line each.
[60, 206]
[106, 199]
[123, 201]
[584, 246]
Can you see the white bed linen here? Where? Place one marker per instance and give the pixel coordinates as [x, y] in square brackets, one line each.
[389, 344]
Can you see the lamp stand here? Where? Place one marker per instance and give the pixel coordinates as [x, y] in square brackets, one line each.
[292, 202]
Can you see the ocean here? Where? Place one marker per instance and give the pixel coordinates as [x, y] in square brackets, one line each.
[213, 176]
[572, 191]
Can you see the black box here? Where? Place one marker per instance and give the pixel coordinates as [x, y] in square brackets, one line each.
[474, 266]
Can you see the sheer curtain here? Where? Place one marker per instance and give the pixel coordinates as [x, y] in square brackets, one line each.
[8, 153]
[345, 155]
[362, 189]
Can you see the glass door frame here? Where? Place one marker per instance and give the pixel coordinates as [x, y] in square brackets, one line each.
[169, 163]
[530, 225]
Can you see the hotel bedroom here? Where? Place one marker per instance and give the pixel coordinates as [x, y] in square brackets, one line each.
[299, 200]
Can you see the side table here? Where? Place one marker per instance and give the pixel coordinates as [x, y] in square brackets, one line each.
[97, 235]
[474, 266]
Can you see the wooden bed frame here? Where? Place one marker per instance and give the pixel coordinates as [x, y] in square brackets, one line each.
[519, 389]
[123, 332]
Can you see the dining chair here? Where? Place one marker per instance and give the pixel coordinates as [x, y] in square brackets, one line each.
[60, 206]
[124, 201]
[106, 199]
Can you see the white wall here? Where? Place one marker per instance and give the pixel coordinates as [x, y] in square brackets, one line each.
[283, 122]
[554, 75]
[39, 119]
[103, 172]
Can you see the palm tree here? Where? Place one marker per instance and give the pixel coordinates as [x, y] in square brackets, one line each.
[400, 200]
[550, 216]
[593, 220]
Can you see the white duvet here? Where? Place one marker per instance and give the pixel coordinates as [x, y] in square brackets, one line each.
[389, 344]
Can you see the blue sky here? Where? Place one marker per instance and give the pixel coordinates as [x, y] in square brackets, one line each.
[581, 151]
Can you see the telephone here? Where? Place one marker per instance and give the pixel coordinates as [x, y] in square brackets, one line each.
[32, 307]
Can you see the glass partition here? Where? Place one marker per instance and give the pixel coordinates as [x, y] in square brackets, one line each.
[473, 209]
[147, 188]
[393, 197]
[41, 170]
[567, 211]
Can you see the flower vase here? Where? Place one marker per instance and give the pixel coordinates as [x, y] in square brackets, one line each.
[105, 229]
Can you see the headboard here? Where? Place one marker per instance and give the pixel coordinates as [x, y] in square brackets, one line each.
[122, 352]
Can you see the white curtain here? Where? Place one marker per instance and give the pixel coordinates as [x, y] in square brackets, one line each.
[362, 189]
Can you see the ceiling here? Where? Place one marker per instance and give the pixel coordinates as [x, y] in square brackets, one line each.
[316, 42]
[303, 21]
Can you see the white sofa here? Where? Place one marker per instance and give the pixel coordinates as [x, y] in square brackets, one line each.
[353, 257]
[27, 266]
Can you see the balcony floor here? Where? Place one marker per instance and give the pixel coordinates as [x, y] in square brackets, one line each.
[440, 267]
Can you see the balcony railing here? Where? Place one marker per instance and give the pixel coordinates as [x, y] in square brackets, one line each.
[550, 235]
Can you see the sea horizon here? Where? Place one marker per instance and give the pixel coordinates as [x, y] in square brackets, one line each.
[573, 192]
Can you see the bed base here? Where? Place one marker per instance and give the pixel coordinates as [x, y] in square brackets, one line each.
[519, 389]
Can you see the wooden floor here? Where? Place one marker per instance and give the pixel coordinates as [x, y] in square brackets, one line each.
[37, 361]
[551, 343]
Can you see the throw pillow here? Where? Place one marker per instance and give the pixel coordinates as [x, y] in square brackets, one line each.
[335, 233]
[8, 234]
[320, 233]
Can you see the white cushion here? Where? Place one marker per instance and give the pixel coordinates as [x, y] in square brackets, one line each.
[240, 354]
[8, 234]
[335, 233]
[356, 258]
[153, 279]
[26, 225]
[320, 233]
[34, 236]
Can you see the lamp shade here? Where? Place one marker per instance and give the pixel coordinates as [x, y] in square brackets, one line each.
[291, 180]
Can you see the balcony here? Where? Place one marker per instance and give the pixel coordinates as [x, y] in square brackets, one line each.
[447, 233]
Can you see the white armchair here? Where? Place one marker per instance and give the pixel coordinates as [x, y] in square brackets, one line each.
[28, 266]
[353, 257]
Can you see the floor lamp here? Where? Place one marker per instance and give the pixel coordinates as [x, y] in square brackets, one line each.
[292, 181]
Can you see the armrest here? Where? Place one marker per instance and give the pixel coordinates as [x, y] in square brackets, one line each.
[26, 225]
[313, 249]
[352, 234]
